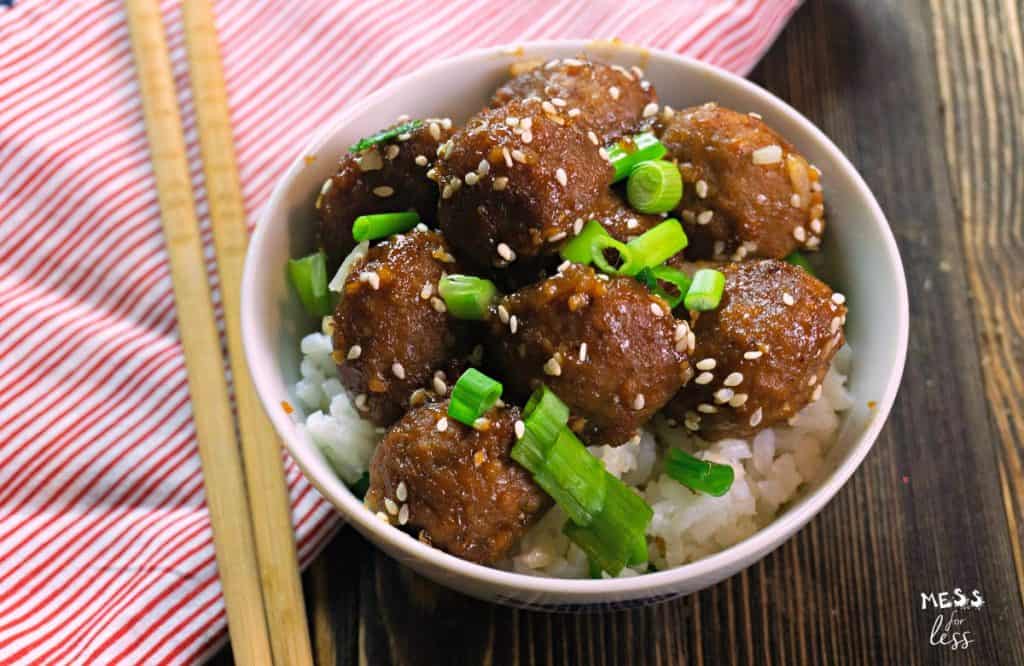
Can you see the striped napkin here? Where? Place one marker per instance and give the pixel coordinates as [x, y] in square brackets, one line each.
[106, 553]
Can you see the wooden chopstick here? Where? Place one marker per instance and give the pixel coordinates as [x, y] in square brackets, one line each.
[261, 451]
[215, 427]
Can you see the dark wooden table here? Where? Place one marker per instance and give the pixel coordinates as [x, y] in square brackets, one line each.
[926, 97]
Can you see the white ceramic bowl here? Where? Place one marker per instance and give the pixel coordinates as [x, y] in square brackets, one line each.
[859, 258]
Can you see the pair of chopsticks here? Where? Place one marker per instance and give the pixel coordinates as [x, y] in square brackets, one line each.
[252, 531]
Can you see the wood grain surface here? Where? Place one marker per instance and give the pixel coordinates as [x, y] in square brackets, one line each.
[926, 97]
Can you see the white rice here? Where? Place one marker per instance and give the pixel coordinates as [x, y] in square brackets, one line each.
[771, 469]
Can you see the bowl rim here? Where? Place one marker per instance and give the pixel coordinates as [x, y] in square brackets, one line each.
[729, 559]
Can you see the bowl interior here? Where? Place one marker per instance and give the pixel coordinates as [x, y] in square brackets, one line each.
[859, 258]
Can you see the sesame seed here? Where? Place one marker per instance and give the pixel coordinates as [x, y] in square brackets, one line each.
[816, 394]
[370, 161]
[787, 298]
[427, 291]
[548, 107]
[512, 121]
[593, 138]
[527, 136]
[724, 395]
[472, 178]
[503, 314]
[383, 516]
[562, 266]
[650, 110]
[706, 408]
[552, 367]
[421, 160]
[520, 429]
[442, 424]
[702, 189]
[838, 298]
[754, 114]
[767, 155]
[446, 193]
[558, 101]
[398, 369]
[614, 92]
[800, 234]
[813, 242]
[639, 401]
[500, 183]
[656, 309]
[405, 136]
[637, 71]
[526, 123]
[560, 176]
[557, 237]
[392, 152]
[706, 364]
[361, 401]
[505, 252]
[704, 378]
[518, 156]
[836, 323]
[691, 341]
[390, 505]
[753, 355]
[483, 168]
[440, 387]
[372, 278]
[481, 424]
[692, 424]
[403, 515]
[577, 226]
[795, 201]
[755, 418]
[435, 131]
[817, 226]
[431, 173]
[738, 400]
[733, 379]
[573, 113]
[583, 352]
[354, 352]
[438, 304]
[383, 191]
[603, 153]
[513, 324]
[705, 217]
[812, 380]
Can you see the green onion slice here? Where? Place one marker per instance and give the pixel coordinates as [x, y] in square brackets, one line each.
[678, 283]
[700, 475]
[706, 290]
[654, 186]
[577, 250]
[467, 296]
[384, 135]
[547, 411]
[628, 264]
[800, 260]
[615, 537]
[656, 245]
[472, 396]
[382, 225]
[625, 154]
[309, 277]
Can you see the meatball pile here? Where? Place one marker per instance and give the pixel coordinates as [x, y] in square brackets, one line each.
[499, 197]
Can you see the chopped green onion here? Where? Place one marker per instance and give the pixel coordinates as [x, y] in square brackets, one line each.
[800, 260]
[382, 225]
[578, 249]
[654, 186]
[578, 478]
[384, 135]
[466, 296]
[627, 153]
[628, 264]
[615, 537]
[546, 411]
[678, 280]
[700, 475]
[656, 245]
[594, 569]
[473, 395]
[706, 290]
[360, 487]
[309, 277]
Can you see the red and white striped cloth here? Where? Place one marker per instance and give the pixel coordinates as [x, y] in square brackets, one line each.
[105, 547]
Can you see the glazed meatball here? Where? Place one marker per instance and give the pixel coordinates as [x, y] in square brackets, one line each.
[746, 191]
[761, 355]
[454, 485]
[609, 348]
[513, 182]
[391, 330]
[608, 100]
[387, 178]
